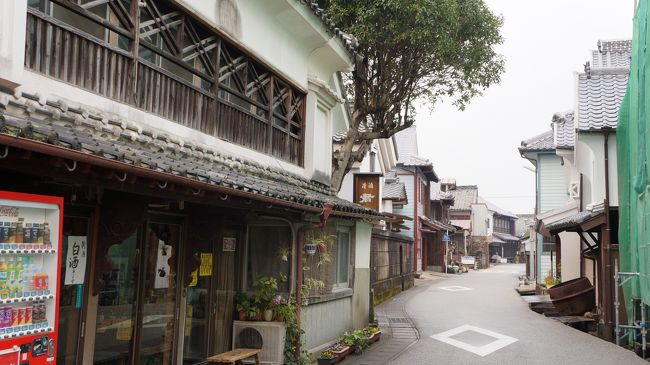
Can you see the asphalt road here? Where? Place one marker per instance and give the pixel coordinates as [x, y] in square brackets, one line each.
[480, 319]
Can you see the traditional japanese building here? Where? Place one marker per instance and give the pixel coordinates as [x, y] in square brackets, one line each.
[187, 140]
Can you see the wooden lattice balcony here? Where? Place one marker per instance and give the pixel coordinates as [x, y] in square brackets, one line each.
[176, 68]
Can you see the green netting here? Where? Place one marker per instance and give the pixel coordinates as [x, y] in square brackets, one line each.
[633, 154]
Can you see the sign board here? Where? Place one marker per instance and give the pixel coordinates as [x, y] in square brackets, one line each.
[366, 190]
[229, 244]
[75, 260]
[161, 280]
[445, 237]
[205, 269]
[467, 260]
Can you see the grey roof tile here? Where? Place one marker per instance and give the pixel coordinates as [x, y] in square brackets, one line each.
[496, 209]
[464, 197]
[406, 142]
[563, 129]
[541, 142]
[169, 157]
[505, 236]
[394, 191]
[599, 98]
[620, 45]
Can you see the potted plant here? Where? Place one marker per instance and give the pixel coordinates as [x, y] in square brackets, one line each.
[284, 252]
[360, 341]
[340, 350]
[373, 334]
[242, 305]
[326, 357]
[264, 288]
[310, 248]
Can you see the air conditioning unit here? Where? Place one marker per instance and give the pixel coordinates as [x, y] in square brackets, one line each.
[273, 335]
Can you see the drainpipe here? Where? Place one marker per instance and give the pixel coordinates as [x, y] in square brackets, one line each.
[327, 209]
[606, 262]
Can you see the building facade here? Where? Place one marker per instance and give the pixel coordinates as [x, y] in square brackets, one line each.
[182, 135]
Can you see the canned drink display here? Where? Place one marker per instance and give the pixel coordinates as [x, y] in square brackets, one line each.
[14, 317]
[28, 315]
[27, 233]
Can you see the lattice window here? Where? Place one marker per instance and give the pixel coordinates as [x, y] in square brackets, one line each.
[153, 55]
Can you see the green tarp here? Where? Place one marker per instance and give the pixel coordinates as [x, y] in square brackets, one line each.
[633, 154]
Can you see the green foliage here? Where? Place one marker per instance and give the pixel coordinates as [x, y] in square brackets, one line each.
[293, 334]
[264, 288]
[413, 51]
[422, 48]
[356, 339]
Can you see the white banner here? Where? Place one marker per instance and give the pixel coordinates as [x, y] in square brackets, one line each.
[467, 260]
[75, 260]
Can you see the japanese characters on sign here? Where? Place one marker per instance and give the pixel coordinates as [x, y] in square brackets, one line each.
[366, 190]
[75, 261]
[229, 244]
[205, 269]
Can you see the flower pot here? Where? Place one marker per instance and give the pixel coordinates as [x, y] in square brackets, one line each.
[321, 247]
[342, 353]
[375, 337]
[284, 258]
[268, 315]
[326, 361]
[242, 315]
[310, 248]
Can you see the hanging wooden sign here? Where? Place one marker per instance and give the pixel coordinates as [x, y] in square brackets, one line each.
[366, 190]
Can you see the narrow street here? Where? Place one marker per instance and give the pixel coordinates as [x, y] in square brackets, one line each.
[481, 312]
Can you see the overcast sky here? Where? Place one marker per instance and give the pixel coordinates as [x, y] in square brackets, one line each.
[546, 43]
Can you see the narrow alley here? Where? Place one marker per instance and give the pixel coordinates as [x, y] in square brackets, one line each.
[478, 318]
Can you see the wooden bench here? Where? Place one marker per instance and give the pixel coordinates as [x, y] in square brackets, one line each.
[236, 356]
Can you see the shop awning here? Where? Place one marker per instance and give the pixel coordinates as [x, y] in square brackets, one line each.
[129, 153]
[505, 236]
[495, 239]
[461, 223]
[583, 221]
[552, 216]
[435, 225]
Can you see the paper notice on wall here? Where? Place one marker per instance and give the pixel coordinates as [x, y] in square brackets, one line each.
[162, 265]
[206, 264]
[75, 260]
[229, 244]
[195, 278]
[124, 332]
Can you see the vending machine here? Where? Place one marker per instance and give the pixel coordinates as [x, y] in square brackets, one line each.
[30, 254]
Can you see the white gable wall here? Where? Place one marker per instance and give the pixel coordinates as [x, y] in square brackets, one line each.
[590, 156]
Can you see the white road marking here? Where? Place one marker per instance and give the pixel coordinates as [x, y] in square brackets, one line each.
[454, 288]
[500, 341]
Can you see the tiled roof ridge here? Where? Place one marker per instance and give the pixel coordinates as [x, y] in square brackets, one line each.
[614, 45]
[536, 143]
[465, 187]
[349, 41]
[114, 127]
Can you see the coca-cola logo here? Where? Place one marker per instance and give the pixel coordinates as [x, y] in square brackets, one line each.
[6, 211]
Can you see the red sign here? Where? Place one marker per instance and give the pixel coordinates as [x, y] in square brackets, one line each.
[366, 190]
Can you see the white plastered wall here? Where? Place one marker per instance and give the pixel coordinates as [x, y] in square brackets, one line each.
[570, 255]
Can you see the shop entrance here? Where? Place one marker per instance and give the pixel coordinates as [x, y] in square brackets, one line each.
[137, 313]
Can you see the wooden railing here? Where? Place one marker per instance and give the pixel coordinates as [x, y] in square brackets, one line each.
[60, 51]
[56, 50]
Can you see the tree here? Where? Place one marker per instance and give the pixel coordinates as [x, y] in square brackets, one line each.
[411, 51]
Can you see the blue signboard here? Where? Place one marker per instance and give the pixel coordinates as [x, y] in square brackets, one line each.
[445, 237]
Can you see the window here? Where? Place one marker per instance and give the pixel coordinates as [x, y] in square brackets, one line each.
[342, 257]
[264, 244]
